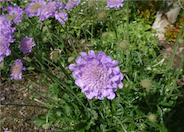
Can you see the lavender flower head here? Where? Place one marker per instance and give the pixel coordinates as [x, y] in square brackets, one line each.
[114, 3]
[16, 69]
[2, 9]
[6, 36]
[16, 14]
[71, 4]
[4, 49]
[97, 75]
[47, 10]
[26, 45]
[61, 17]
[9, 7]
[60, 5]
[33, 8]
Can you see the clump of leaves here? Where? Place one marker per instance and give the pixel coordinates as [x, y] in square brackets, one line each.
[147, 11]
[172, 31]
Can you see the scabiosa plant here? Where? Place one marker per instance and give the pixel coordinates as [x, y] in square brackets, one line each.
[33, 8]
[26, 45]
[71, 4]
[16, 69]
[61, 17]
[97, 75]
[16, 14]
[115, 3]
[47, 10]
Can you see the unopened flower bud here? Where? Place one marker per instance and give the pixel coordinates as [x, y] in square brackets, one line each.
[102, 15]
[105, 35]
[91, 3]
[152, 117]
[147, 84]
[70, 59]
[54, 55]
[123, 45]
[46, 126]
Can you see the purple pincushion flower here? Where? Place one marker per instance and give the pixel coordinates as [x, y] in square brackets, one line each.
[97, 75]
[26, 45]
[61, 17]
[115, 3]
[16, 14]
[4, 49]
[60, 5]
[2, 9]
[47, 10]
[9, 7]
[71, 4]
[16, 69]
[33, 8]
[6, 36]
[5, 129]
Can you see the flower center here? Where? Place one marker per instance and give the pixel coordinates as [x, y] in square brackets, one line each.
[35, 7]
[115, 2]
[94, 76]
[16, 69]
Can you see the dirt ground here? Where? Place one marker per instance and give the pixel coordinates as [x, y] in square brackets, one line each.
[15, 116]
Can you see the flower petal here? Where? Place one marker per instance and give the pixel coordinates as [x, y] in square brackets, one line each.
[91, 53]
[72, 67]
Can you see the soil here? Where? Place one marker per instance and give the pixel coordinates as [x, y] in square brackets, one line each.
[15, 116]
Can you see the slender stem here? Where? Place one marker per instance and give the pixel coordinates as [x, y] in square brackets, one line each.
[127, 22]
[127, 34]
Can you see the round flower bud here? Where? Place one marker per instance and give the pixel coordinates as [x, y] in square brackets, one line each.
[91, 3]
[54, 55]
[105, 35]
[147, 84]
[46, 126]
[123, 45]
[70, 59]
[142, 127]
[102, 15]
[152, 117]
